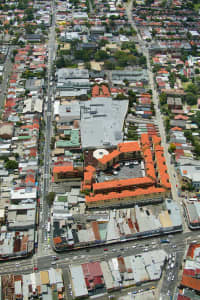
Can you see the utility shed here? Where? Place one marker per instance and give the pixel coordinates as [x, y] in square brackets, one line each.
[77, 276]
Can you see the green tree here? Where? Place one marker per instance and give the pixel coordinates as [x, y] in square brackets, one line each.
[60, 63]
[163, 98]
[50, 198]
[101, 55]
[120, 97]
[167, 124]
[192, 88]
[142, 60]
[11, 165]
[172, 147]
[191, 98]
[29, 14]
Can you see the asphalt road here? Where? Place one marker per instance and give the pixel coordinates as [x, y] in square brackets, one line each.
[97, 254]
[126, 248]
[6, 74]
[48, 130]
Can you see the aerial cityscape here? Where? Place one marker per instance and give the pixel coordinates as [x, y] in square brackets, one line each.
[100, 149]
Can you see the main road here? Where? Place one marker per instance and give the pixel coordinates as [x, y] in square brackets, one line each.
[6, 74]
[48, 130]
[177, 245]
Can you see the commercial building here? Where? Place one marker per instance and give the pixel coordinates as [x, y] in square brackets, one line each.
[189, 170]
[67, 173]
[102, 121]
[44, 285]
[76, 227]
[72, 79]
[116, 273]
[190, 277]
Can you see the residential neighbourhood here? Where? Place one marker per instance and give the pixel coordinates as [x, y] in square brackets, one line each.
[99, 149]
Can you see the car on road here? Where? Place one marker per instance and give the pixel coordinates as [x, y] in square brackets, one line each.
[53, 262]
[164, 241]
[35, 268]
[106, 249]
[55, 257]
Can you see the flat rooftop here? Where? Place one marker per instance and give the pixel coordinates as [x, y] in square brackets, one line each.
[122, 172]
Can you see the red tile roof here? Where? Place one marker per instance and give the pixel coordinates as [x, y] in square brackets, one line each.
[131, 183]
[124, 194]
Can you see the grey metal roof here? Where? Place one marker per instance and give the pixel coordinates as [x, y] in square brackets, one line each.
[102, 122]
[174, 210]
[77, 275]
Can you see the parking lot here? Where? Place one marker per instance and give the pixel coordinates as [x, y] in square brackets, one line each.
[125, 170]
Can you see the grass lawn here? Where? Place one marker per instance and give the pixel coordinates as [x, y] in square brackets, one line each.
[197, 6]
[185, 84]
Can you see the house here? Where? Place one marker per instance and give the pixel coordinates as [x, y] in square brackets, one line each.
[174, 103]
[34, 38]
[132, 76]
[72, 79]
[6, 130]
[178, 123]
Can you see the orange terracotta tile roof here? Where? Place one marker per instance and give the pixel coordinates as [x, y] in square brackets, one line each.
[156, 140]
[86, 187]
[192, 249]
[57, 240]
[145, 140]
[190, 282]
[176, 129]
[30, 178]
[129, 147]
[63, 169]
[124, 194]
[109, 157]
[122, 183]
[162, 168]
